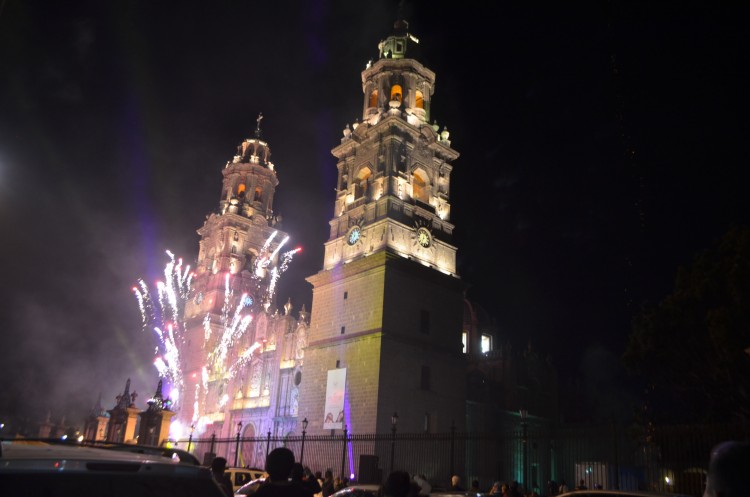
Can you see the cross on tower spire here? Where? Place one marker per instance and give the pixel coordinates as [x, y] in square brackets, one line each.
[257, 127]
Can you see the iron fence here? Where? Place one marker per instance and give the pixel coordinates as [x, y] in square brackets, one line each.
[666, 459]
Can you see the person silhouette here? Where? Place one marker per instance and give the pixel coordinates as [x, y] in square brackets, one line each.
[218, 466]
[727, 470]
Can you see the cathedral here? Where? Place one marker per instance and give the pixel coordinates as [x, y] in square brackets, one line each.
[390, 334]
[384, 332]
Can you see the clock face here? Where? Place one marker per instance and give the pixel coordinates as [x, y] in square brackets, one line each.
[354, 235]
[423, 237]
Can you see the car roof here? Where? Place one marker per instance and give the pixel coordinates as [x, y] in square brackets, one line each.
[20, 455]
[257, 473]
[618, 493]
[181, 455]
[20, 449]
[356, 486]
[249, 485]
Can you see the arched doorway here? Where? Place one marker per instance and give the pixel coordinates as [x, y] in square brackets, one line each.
[247, 452]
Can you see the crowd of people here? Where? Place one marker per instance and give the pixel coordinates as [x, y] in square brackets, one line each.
[726, 477]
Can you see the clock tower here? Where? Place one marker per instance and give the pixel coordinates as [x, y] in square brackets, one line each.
[385, 330]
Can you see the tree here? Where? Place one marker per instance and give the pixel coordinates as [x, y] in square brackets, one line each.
[693, 348]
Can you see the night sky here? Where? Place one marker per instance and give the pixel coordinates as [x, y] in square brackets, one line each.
[602, 145]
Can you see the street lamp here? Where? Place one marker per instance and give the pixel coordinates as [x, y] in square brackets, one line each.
[190, 438]
[304, 431]
[394, 421]
[525, 445]
[343, 454]
[237, 444]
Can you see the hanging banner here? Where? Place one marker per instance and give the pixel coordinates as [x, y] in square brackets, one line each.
[333, 417]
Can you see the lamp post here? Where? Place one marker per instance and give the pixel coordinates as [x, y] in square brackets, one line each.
[237, 444]
[304, 432]
[268, 443]
[190, 438]
[343, 454]
[525, 446]
[394, 421]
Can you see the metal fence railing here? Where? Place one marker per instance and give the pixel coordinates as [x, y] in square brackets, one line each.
[667, 459]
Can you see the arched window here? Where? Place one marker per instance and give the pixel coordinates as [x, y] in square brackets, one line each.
[396, 93]
[373, 99]
[258, 194]
[419, 187]
[419, 104]
[241, 190]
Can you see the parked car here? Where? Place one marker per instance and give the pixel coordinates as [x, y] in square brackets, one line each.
[242, 476]
[358, 490]
[34, 468]
[179, 455]
[250, 487]
[615, 493]
[454, 493]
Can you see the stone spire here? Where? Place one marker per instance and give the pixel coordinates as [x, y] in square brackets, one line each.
[158, 403]
[127, 399]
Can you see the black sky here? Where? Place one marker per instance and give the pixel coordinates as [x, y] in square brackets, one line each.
[602, 145]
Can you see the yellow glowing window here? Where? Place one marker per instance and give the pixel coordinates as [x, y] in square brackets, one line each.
[241, 189]
[374, 98]
[258, 194]
[360, 187]
[420, 100]
[419, 190]
[396, 93]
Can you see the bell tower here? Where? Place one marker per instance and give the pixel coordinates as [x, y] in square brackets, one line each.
[387, 304]
[239, 250]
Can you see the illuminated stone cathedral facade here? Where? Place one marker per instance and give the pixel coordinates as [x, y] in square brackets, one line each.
[236, 375]
[387, 304]
[388, 330]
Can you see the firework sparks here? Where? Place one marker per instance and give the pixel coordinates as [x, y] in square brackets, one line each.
[164, 316]
[266, 259]
[224, 336]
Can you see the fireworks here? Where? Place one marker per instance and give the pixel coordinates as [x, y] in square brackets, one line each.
[233, 328]
[164, 315]
[224, 341]
[264, 261]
